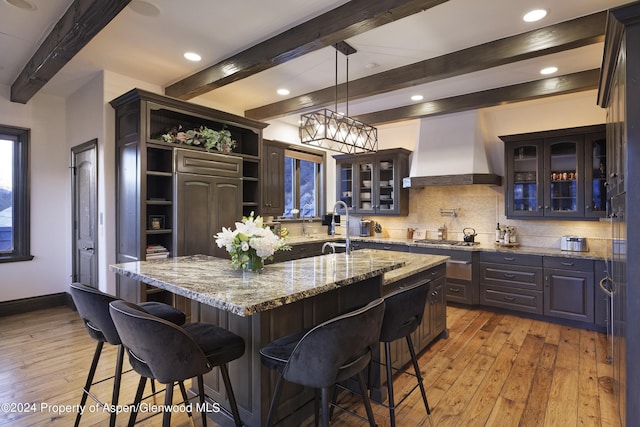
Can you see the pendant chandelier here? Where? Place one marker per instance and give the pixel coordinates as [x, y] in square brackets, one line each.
[336, 131]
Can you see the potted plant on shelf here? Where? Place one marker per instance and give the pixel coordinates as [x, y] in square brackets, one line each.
[209, 139]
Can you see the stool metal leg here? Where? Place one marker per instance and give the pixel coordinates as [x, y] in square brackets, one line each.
[365, 398]
[274, 400]
[136, 400]
[186, 400]
[392, 404]
[87, 385]
[116, 385]
[201, 396]
[232, 398]
[168, 401]
[414, 359]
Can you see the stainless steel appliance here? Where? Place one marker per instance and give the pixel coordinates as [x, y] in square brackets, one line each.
[574, 243]
[365, 227]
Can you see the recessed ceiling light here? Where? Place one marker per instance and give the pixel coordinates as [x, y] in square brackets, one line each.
[192, 56]
[144, 8]
[534, 15]
[283, 91]
[417, 97]
[21, 4]
[549, 70]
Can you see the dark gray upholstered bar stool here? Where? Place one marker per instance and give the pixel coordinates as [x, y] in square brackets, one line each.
[168, 353]
[333, 351]
[404, 309]
[93, 308]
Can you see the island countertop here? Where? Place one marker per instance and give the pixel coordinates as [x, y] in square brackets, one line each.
[212, 281]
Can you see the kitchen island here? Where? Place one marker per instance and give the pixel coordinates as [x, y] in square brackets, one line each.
[282, 299]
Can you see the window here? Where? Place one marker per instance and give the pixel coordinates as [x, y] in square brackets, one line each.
[303, 173]
[14, 194]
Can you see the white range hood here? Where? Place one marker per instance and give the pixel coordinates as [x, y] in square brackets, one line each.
[450, 151]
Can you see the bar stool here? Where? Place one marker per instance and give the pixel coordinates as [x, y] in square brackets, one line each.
[404, 309]
[169, 353]
[93, 308]
[331, 352]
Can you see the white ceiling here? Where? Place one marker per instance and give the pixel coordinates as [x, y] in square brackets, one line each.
[150, 48]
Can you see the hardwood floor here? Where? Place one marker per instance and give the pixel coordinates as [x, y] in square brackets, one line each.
[493, 370]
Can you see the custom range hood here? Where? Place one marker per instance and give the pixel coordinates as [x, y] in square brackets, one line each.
[450, 151]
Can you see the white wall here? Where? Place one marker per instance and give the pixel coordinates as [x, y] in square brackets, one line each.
[49, 271]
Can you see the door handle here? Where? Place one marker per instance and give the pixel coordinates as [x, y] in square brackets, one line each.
[88, 249]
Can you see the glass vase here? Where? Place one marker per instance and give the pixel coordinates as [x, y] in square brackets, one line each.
[254, 263]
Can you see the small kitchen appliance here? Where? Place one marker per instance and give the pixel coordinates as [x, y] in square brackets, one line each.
[365, 227]
[469, 234]
[574, 243]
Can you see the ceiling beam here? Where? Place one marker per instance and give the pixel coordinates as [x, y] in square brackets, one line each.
[341, 23]
[79, 24]
[544, 41]
[553, 86]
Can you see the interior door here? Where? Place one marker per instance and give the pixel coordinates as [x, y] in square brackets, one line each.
[85, 213]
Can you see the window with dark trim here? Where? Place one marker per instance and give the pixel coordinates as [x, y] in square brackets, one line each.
[303, 183]
[14, 194]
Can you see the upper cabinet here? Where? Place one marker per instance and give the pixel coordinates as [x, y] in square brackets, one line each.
[556, 174]
[273, 178]
[372, 183]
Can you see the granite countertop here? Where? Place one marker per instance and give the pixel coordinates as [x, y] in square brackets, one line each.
[212, 281]
[526, 250]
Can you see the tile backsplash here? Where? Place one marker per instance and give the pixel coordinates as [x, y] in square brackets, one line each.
[481, 207]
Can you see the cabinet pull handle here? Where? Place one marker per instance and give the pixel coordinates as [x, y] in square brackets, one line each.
[509, 298]
[509, 275]
[386, 248]
[454, 290]
[509, 258]
[568, 264]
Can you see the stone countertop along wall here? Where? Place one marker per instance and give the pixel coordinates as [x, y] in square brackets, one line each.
[594, 254]
[212, 281]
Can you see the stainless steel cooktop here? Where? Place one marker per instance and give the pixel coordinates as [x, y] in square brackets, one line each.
[446, 242]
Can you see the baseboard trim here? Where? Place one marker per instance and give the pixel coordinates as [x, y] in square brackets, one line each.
[26, 305]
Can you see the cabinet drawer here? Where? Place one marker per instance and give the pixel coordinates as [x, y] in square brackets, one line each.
[199, 162]
[511, 259]
[520, 300]
[585, 265]
[460, 292]
[511, 276]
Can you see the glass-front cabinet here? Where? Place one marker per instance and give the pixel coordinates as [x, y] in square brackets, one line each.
[596, 169]
[372, 183]
[523, 188]
[556, 174]
[564, 166]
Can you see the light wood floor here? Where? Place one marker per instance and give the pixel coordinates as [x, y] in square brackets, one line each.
[493, 370]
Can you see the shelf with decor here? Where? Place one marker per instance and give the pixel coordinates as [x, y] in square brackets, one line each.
[166, 148]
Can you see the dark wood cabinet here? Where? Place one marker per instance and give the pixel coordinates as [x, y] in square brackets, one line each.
[272, 178]
[372, 183]
[172, 198]
[569, 289]
[512, 282]
[556, 174]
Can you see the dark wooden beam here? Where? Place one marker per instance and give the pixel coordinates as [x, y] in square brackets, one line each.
[544, 41]
[79, 24]
[341, 23]
[570, 83]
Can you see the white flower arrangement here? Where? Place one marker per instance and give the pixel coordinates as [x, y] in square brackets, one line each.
[250, 243]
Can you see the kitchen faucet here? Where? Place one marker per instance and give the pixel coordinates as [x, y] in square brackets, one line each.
[347, 244]
[305, 232]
